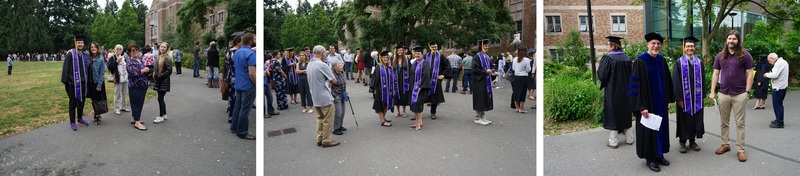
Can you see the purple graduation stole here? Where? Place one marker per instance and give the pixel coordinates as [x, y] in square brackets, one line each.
[292, 75]
[76, 74]
[695, 100]
[417, 81]
[387, 90]
[485, 64]
[435, 75]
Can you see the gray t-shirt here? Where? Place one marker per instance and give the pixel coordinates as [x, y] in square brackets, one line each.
[319, 74]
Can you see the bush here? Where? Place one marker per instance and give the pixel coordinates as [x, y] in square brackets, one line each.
[570, 98]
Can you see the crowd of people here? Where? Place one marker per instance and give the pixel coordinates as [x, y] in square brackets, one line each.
[399, 79]
[644, 88]
[134, 70]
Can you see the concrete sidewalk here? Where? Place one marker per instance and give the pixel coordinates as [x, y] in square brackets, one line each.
[769, 151]
[450, 145]
[196, 140]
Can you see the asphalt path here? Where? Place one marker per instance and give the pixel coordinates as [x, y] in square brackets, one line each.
[196, 140]
[450, 145]
[769, 151]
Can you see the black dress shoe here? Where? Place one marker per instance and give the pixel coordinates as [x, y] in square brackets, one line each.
[268, 116]
[776, 125]
[337, 132]
[663, 162]
[342, 129]
[275, 113]
[653, 167]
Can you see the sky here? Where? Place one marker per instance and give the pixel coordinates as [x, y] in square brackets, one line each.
[294, 3]
[102, 3]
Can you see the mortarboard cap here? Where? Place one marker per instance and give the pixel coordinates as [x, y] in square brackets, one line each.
[615, 39]
[385, 53]
[653, 36]
[419, 49]
[290, 49]
[79, 37]
[433, 43]
[690, 39]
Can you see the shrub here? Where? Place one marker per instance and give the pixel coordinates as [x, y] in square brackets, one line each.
[570, 98]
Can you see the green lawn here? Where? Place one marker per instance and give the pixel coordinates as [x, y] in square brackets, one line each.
[33, 97]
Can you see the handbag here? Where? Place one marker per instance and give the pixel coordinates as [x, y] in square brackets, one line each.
[509, 75]
[223, 89]
[100, 107]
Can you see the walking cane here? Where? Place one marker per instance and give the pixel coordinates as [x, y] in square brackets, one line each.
[351, 108]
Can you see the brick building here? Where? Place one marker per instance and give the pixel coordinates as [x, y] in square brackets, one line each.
[611, 17]
[163, 13]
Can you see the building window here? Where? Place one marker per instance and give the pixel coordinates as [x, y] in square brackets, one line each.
[211, 20]
[553, 24]
[554, 54]
[618, 23]
[221, 17]
[584, 23]
[169, 10]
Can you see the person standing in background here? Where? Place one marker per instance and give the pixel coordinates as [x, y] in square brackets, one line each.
[780, 79]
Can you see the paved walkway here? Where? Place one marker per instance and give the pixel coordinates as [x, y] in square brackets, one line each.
[769, 151]
[450, 145]
[195, 140]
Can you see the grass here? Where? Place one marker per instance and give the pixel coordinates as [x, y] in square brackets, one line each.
[33, 97]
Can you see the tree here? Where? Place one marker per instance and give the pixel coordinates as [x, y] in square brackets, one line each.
[573, 51]
[111, 8]
[303, 8]
[461, 21]
[241, 17]
[275, 12]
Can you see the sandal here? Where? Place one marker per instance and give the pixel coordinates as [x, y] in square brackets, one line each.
[405, 115]
[387, 120]
[386, 124]
[415, 125]
[522, 112]
[304, 111]
[97, 120]
[310, 111]
[143, 128]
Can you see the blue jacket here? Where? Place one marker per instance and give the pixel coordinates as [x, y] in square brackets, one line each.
[98, 71]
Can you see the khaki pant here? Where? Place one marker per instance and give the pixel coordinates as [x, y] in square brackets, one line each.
[324, 125]
[737, 105]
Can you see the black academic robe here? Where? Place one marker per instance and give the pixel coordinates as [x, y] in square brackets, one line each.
[68, 77]
[761, 84]
[291, 88]
[689, 126]
[614, 74]
[424, 85]
[481, 99]
[444, 66]
[402, 99]
[377, 84]
[650, 88]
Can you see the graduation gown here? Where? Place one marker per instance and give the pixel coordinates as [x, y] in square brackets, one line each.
[76, 87]
[481, 85]
[689, 125]
[421, 89]
[403, 84]
[614, 73]
[437, 95]
[762, 89]
[650, 88]
[383, 80]
[292, 79]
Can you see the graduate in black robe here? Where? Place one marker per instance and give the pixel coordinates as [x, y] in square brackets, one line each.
[383, 80]
[420, 79]
[688, 80]
[614, 74]
[75, 75]
[288, 65]
[440, 66]
[482, 95]
[760, 83]
[651, 92]
[403, 86]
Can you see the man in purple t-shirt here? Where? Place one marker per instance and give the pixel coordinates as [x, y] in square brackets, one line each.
[731, 66]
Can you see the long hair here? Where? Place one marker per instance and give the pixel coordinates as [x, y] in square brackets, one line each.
[613, 46]
[163, 57]
[522, 52]
[303, 60]
[738, 51]
[99, 53]
[398, 58]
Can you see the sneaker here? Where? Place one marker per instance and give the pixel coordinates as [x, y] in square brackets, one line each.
[73, 127]
[83, 122]
[126, 110]
[117, 112]
[486, 120]
[481, 122]
[158, 120]
[165, 117]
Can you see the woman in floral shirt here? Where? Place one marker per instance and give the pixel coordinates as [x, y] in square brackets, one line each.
[137, 79]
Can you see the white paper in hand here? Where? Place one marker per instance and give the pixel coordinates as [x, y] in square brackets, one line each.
[715, 105]
[652, 121]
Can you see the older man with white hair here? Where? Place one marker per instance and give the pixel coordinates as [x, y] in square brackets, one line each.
[320, 79]
[780, 78]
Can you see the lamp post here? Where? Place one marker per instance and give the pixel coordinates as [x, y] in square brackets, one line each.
[591, 40]
[732, 14]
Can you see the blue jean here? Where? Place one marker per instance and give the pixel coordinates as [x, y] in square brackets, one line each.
[777, 103]
[348, 70]
[338, 116]
[241, 111]
[268, 98]
[455, 82]
[196, 67]
[467, 80]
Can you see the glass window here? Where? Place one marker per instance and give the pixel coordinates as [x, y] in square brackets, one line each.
[618, 23]
[553, 24]
[221, 17]
[584, 23]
